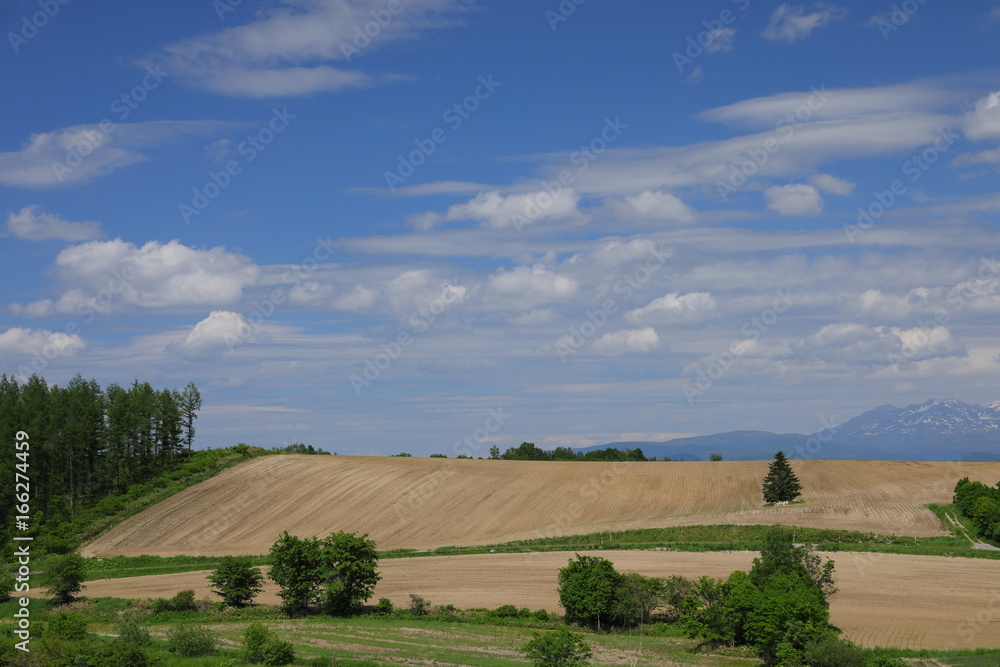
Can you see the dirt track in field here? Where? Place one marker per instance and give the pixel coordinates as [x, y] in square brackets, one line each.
[884, 599]
[426, 503]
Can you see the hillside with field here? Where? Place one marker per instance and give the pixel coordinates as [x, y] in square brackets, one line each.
[426, 503]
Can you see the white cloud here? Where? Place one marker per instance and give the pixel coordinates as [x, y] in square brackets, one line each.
[675, 308]
[502, 211]
[654, 205]
[221, 331]
[32, 224]
[104, 275]
[84, 152]
[722, 40]
[791, 24]
[857, 343]
[983, 157]
[287, 50]
[18, 342]
[983, 122]
[525, 287]
[832, 184]
[794, 199]
[995, 14]
[626, 341]
[360, 299]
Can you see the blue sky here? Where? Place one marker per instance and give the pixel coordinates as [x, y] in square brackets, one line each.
[438, 225]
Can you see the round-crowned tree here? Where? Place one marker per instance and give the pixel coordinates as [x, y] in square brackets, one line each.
[781, 485]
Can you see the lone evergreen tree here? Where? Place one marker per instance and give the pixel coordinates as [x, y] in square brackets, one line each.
[781, 484]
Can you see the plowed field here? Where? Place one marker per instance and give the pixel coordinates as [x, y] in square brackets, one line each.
[425, 503]
[884, 599]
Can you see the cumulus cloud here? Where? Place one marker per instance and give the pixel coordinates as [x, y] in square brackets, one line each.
[288, 50]
[222, 330]
[360, 298]
[626, 341]
[526, 287]
[654, 205]
[33, 224]
[104, 275]
[832, 184]
[412, 291]
[983, 122]
[794, 199]
[857, 343]
[502, 211]
[790, 23]
[675, 308]
[18, 342]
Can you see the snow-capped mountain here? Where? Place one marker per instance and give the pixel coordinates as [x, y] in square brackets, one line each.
[935, 418]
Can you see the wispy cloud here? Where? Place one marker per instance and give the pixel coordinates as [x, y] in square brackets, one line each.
[288, 50]
[33, 224]
[791, 23]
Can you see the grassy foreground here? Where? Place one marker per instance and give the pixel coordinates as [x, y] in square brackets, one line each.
[456, 637]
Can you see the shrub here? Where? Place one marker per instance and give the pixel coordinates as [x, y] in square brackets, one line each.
[262, 646]
[254, 639]
[129, 631]
[69, 626]
[560, 648]
[506, 611]
[832, 651]
[540, 615]
[384, 607]
[447, 610]
[183, 601]
[418, 605]
[191, 641]
[278, 652]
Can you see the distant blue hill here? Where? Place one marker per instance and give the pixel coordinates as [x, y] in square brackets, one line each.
[937, 430]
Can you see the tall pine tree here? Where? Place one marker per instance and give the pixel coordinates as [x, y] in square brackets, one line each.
[781, 484]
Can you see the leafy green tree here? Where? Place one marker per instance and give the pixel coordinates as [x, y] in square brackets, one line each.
[636, 599]
[494, 453]
[64, 576]
[715, 457]
[702, 613]
[780, 556]
[587, 588]
[559, 648]
[350, 564]
[296, 566]
[237, 580]
[526, 451]
[781, 484]
[792, 613]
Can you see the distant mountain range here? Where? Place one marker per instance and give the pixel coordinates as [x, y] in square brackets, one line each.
[938, 430]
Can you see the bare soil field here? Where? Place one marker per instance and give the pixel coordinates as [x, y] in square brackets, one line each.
[884, 599]
[426, 503]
